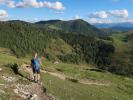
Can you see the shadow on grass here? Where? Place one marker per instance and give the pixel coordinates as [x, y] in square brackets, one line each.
[98, 70]
[15, 69]
[72, 79]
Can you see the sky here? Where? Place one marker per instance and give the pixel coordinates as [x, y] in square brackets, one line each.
[93, 11]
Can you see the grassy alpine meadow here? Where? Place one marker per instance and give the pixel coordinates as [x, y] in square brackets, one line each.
[119, 88]
[66, 90]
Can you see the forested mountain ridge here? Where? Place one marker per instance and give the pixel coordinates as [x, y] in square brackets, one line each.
[24, 38]
[73, 26]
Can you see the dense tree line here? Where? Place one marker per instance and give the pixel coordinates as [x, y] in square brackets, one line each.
[88, 49]
[23, 38]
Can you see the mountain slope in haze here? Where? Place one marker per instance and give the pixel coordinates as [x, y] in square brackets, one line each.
[73, 26]
[112, 28]
[116, 29]
[109, 25]
[104, 25]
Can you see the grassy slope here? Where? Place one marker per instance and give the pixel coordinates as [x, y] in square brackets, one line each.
[58, 46]
[66, 90]
[7, 58]
[121, 88]
[123, 48]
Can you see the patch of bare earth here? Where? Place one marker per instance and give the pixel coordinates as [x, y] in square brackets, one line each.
[33, 91]
[82, 81]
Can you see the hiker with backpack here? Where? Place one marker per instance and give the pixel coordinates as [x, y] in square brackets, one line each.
[36, 65]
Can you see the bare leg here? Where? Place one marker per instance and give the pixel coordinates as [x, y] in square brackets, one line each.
[33, 76]
[38, 77]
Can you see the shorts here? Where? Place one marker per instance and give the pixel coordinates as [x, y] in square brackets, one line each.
[36, 71]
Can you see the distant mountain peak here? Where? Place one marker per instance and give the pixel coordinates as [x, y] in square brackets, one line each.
[78, 26]
[110, 25]
[48, 21]
[18, 21]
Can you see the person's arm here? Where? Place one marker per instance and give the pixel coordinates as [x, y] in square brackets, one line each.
[40, 61]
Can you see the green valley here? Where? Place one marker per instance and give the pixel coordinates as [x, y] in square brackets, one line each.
[83, 66]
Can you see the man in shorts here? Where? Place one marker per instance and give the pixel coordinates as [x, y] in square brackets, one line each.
[36, 65]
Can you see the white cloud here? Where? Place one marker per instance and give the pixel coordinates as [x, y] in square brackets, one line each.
[55, 5]
[10, 3]
[119, 13]
[99, 14]
[105, 14]
[2, 1]
[127, 21]
[34, 3]
[28, 3]
[77, 17]
[95, 20]
[3, 14]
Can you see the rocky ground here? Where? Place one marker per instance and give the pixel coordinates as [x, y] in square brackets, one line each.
[15, 87]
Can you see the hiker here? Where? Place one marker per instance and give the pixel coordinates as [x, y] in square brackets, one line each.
[36, 65]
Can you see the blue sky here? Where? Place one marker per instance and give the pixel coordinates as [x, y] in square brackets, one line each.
[93, 11]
